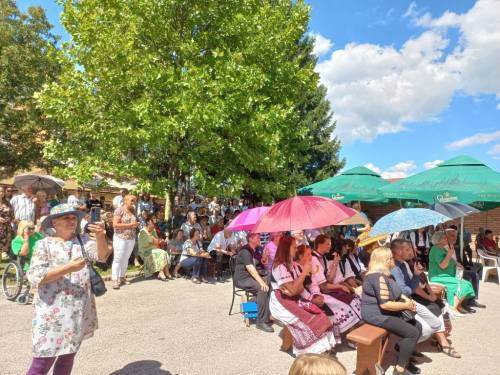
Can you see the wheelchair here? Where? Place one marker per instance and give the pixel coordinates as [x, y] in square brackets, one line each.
[13, 280]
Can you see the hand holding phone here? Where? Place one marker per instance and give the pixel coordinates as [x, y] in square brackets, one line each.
[95, 215]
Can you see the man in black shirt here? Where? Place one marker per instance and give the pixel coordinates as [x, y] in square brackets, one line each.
[250, 275]
[93, 201]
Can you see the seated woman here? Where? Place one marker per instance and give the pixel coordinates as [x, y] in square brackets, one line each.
[155, 259]
[345, 312]
[193, 256]
[24, 243]
[379, 308]
[442, 270]
[344, 274]
[175, 250]
[312, 333]
[356, 264]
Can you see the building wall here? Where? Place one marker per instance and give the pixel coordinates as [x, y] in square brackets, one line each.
[488, 219]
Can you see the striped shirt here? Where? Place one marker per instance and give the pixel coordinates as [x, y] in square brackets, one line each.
[24, 208]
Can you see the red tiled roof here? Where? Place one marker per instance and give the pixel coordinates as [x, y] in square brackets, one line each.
[392, 180]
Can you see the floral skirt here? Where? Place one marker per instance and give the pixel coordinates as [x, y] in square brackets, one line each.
[346, 315]
[154, 260]
[5, 230]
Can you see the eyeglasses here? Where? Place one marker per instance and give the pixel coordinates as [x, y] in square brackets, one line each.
[30, 228]
[15, 191]
[9, 191]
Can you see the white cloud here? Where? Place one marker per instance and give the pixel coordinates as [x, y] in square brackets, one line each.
[376, 90]
[373, 168]
[494, 150]
[412, 10]
[496, 157]
[400, 170]
[432, 164]
[476, 139]
[321, 45]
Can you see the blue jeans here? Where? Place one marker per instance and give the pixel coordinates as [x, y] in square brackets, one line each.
[198, 264]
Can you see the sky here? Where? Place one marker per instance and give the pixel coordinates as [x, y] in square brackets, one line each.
[411, 83]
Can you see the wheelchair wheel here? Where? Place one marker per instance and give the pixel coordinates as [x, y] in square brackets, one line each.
[12, 281]
[23, 299]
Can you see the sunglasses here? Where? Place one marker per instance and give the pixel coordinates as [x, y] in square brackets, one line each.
[8, 191]
[30, 228]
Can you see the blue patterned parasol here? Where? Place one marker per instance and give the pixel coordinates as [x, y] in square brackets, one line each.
[407, 219]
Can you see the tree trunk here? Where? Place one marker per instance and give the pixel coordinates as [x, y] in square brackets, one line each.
[185, 188]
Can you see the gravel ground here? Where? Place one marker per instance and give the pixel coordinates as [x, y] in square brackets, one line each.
[177, 327]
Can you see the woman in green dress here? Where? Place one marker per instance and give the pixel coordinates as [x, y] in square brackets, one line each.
[442, 270]
[155, 260]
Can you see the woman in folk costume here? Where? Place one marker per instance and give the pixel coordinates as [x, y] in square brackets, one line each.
[328, 281]
[311, 329]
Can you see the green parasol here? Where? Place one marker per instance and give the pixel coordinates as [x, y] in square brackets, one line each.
[461, 179]
[357, 184]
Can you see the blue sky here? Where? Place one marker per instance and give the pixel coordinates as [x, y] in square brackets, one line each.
[410, 82]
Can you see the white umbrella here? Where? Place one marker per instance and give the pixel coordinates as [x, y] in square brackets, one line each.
[39, 182]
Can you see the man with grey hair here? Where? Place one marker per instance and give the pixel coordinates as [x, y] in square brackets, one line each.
[299, 237]
[223, 245]
[250, 275]
[24, 206]
[190, 224]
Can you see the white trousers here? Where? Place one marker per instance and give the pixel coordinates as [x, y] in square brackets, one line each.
[430, 322]
[122, 250]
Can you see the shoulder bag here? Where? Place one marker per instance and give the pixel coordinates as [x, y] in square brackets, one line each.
[406, 315]
[96, 282]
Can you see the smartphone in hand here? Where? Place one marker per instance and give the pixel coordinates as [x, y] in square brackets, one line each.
[95, 215]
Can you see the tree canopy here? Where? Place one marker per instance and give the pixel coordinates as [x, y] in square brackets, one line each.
[26, 64]
[153, 88]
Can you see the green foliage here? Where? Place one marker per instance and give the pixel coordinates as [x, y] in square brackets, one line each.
[26, 47]
[151, 88]
[317, 153]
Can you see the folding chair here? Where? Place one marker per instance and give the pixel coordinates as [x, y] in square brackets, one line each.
[236, 291]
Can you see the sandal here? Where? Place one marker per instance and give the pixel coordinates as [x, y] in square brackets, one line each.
[176, 275]
[352, 345]
[204, 280]
[116, 285]
[162, 278]
[126, 282]
[195, 280]
[449, 351]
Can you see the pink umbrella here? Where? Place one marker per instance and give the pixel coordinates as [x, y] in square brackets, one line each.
[247, 219]
[302, 212]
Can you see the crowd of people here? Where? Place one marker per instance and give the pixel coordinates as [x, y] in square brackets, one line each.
[321, 283]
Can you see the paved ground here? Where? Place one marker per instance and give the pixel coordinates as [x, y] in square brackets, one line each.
[178, 327]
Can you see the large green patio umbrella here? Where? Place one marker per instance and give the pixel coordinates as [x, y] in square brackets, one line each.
[357, 184]
[461, 179]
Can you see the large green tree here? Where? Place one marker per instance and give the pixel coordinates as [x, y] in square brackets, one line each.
[317, 157]
[26, 47]
[152, 88]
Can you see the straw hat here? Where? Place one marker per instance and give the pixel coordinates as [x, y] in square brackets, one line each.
[365, 239]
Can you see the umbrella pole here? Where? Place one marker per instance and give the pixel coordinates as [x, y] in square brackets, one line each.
[462, 239]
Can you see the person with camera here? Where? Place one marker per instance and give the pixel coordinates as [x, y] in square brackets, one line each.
[65, 312]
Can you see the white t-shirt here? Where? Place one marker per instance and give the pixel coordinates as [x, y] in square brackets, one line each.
[74, 201]
[222, 241]
[186, 228]
[118, 201]
[194, 206]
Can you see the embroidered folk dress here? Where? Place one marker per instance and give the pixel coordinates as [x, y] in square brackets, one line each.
[65, 312]
[347, 315]
[304, 339]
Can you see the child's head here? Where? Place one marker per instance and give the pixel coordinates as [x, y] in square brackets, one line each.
[317, 364]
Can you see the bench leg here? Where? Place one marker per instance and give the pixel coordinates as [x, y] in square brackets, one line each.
[287, 339]
[367, 356]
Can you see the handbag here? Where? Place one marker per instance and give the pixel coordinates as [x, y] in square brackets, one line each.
[96, 282]
[406, 314]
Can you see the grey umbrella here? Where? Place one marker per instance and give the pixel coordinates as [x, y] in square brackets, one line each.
[48, 184]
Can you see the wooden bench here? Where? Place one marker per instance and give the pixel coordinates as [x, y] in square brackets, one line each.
[371, 347]
[287, 336]
[439, 290]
